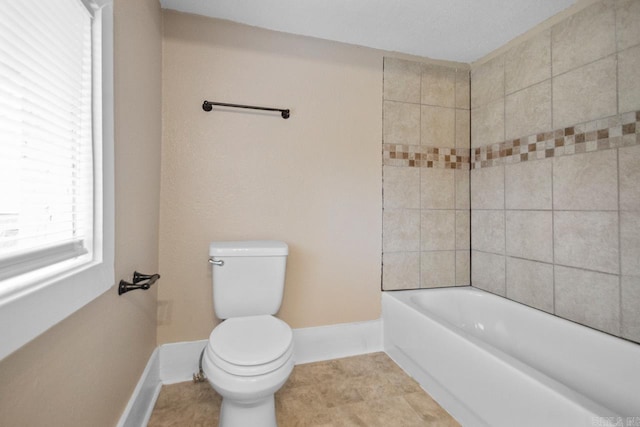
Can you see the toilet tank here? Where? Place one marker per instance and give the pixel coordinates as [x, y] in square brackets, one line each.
[251, 280]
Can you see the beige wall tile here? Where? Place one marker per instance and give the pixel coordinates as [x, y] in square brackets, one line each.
[400, 270]
[488, 272]
[437, 188]
[487, 82]
[463, 89]
[488, 231]
[402, 80]
[630, 243]
[487, 188]
[530, 283]
[530, 235]
[437, 230]
[438, 127]
[627, 23]
[401, 123]
[586, 181]
[487, 126]
[528, 185]
[463, 128]
[595, 82]
[587, 240]
[628, 81]
[401, 187]
[438, 86]
[437, 269]
[463, 229]
[463, 200]
[528, 111]
[589, 298]
[400, 230]
[630, 287]
[629, 178]
[528, 63]
[463, 268]
[584, 37]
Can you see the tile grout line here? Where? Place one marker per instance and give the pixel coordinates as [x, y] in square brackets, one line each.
[504, 168]
[455, 187]
[552, 264]
[383, 208]
[421, 104]
[553, 214]
[469, 186]
[553, 245]
[504, 210]
[617, 50]
[614, 53]
[621, 320]
[420, 191]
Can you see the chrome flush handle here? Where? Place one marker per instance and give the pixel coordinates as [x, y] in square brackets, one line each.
[218, 262]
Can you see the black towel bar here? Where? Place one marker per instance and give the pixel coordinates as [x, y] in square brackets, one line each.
[208, 106]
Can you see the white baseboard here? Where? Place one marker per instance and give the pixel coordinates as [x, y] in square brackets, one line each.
[336, 341]
[177, 362]
[140, 406]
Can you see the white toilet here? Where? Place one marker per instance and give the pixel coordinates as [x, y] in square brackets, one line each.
[250, 354]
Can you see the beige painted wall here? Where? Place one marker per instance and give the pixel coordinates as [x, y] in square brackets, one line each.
[83, 370]
[313, 181]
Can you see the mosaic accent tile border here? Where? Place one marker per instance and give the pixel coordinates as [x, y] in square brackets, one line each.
[621, 130]
[425, 157]
[612, 132]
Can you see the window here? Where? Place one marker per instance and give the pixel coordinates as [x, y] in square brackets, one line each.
[56, 143]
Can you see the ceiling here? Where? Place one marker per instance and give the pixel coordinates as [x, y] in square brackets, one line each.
[455, 30]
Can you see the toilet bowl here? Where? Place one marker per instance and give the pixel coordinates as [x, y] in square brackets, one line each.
[247, 360]
[249, 355]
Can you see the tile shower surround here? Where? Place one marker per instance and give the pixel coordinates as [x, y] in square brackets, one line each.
[426, 140]
[510, 261]
[554, 171]
[555, 168]
[556, 222]
[513, 263]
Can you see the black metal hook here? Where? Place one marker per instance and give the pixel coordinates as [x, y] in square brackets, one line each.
[208, 106]
[124, 287]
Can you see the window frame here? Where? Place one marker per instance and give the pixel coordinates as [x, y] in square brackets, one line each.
[57, 292]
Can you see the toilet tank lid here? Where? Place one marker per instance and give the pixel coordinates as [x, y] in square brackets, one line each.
[249, 248]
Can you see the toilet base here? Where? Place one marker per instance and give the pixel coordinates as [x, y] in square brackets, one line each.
[260, 413]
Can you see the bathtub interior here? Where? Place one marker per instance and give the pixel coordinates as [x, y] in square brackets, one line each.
[600, 367]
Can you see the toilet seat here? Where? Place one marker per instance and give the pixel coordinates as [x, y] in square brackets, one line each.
[252, 345]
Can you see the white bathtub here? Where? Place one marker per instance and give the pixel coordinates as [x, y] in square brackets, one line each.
[493, 362]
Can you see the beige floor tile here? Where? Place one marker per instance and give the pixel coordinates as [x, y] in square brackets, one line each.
[429, 410]
[369, 390]
[391, 411]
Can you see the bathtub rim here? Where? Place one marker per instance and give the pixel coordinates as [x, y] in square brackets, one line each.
[398, 294]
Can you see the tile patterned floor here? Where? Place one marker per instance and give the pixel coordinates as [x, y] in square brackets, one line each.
[369, 390]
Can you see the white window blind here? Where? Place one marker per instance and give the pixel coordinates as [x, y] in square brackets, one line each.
[46, 161]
